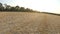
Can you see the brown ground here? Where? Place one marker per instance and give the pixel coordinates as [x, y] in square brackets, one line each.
[29, 23]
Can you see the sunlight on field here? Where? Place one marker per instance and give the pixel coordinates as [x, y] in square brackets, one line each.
[29, 23]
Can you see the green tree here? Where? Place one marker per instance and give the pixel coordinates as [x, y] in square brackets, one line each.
[0, 4]
[17, 8]
[22, 9]
[1, 7]
[27, 9]
[12, 9]
[7, 7]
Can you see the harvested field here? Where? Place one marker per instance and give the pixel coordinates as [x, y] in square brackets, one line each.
[29, 23]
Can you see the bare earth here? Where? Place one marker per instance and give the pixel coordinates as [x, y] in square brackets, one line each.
[29, 23]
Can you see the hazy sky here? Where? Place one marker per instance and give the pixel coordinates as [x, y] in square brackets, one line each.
[40, 5]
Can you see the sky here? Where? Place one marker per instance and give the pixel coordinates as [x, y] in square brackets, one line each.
[52, 6]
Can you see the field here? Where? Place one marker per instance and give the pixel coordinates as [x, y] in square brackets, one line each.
[29, 23]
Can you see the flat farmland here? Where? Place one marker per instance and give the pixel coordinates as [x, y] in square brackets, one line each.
[29, 23]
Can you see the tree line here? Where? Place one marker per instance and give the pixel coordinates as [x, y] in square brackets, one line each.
[5, 7]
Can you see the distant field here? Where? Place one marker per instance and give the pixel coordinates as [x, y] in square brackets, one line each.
[29, 23]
